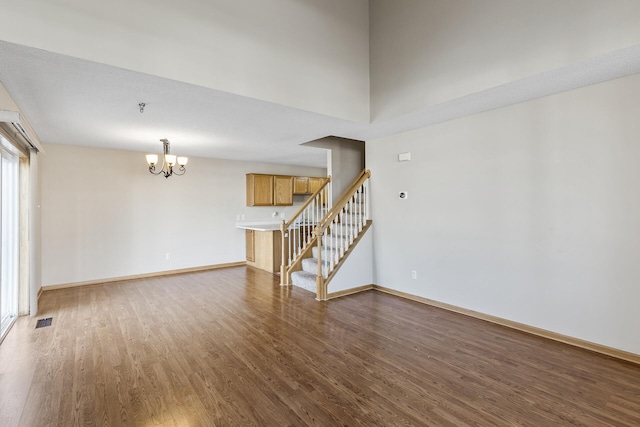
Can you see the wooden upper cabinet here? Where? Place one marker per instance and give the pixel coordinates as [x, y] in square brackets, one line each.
[306, 185]
[283, 194]
[300, 185]
[259, 190]
[269, 190]
[315, 184]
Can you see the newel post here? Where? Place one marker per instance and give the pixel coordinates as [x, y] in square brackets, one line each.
[284, 276]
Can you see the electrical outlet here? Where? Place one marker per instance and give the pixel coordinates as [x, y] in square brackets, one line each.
[414, 274]
[242, 217]
[167, 256]
[282, 215]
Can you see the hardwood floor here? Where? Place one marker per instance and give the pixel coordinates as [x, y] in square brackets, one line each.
[230, 347]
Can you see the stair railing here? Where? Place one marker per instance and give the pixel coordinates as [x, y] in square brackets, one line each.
[340, 228]
[297, 233]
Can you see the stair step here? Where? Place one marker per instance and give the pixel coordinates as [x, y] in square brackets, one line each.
[355, 207]
[344, 230]
[310, 265]
[326, 253]
[351, 219]
[304, 280]
[335, 240]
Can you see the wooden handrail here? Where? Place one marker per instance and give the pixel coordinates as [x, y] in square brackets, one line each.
[335, 210]
[349, 191]
[307, 203]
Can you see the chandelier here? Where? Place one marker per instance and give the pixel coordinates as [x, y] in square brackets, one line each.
[168, 162]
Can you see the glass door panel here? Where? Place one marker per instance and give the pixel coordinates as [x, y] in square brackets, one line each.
[9, 199]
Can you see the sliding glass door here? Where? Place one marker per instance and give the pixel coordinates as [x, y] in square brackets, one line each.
[9, 251]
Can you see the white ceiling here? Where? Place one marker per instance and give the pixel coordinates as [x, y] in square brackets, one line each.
[77, 102]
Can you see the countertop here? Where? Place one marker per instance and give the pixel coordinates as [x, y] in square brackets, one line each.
[260, 225]
[268, 225]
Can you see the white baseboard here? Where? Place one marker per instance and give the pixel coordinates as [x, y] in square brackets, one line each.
[576, 342]
[140, 276]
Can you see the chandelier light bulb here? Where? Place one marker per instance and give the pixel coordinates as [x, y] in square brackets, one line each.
[152, 159]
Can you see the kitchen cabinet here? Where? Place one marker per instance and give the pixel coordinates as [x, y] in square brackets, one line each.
[250, 244]
[283, 190]
[269, 190]
[259, 190]
[267, 246]
[278, 190]
[306, 185]
[314, 184]
[263, 245]
[300, 185]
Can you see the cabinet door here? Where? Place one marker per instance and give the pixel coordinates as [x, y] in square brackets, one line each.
[283, 190]
[251, 253]
[314, 185]
[300, 185]
[259, 190]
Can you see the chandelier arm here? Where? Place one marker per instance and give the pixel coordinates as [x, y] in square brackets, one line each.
[182, 170]
[153, 168]
[159, 171]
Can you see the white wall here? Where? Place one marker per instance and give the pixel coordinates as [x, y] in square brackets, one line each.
[425, 52]
[311, 54]
[104, 215]
[358, 269]
[344, 162]
[530, 213]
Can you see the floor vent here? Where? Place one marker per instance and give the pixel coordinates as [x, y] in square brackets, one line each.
[44, 322]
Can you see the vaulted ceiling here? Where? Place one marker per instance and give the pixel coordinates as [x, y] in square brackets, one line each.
[74, 101]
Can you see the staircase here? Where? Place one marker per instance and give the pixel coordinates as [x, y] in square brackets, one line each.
[338, 238]
[327, 247]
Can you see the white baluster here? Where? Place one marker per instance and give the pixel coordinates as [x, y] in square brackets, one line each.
[353, 220]
[306, 221]
[296, 246]
[359, 210]
[366, 199]
[327, 253]
[289, 244]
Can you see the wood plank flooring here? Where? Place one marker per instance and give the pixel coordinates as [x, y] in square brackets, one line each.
[231, 348]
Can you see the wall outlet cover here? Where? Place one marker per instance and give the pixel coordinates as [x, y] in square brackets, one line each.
[404, 157]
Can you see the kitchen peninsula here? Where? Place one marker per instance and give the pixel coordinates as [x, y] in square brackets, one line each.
[264, 244]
